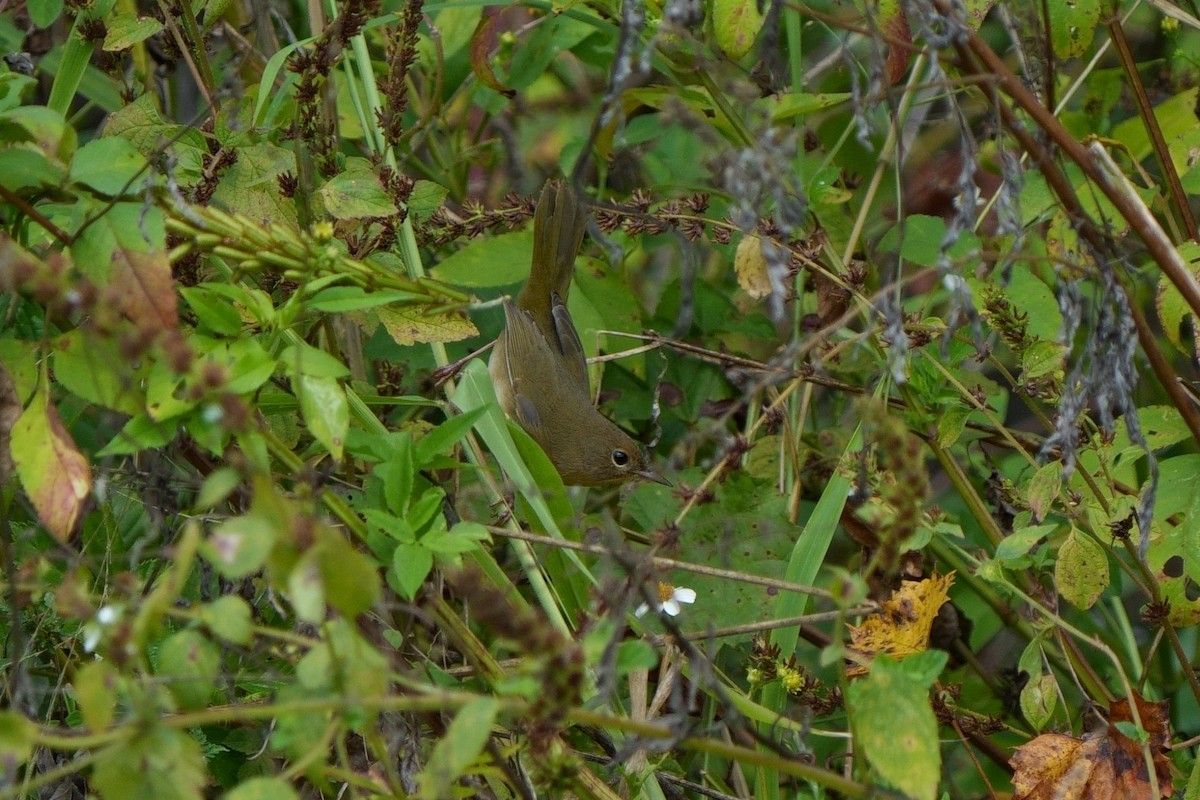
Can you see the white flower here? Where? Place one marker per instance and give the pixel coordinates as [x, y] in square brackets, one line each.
[93, 630]
[670, 600]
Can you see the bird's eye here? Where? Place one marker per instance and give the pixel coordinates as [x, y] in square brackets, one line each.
[620, 458]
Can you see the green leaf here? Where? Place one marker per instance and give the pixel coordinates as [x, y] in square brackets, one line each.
[1021, 541]
[304, 359]
[43, 13]
[325, 410]
[127, 29]
[1162, 426]
[341, 299]
[240, 546]
[1041, 358]
[16, 741]
[306, 589]
[746, 529]
[531, 61]
[458, 748]
[95, 684]
[1192, 792]
[298, 733]
[76, 53]
[249, 366]
[91, 368]
[189, 662]
[397, 474]
[1081, 570]
[19, 359]
[439, 440]
[1039, 698]
[13, 87]
[1044, 488]
[462, 538]
[356, 193]
[216, 488]
[350, 578]
[141, 124]
[266, 84]
[635, 654]
[411, 324]
[160, 762]
[736, 24]
[411, 564]
[1172, 311]
[1072, 25]
[951, 423]
[111, 166]
[1175, 560]
[922, 239]
[125, 253]
[490, 262]
[27, 168]
[42, 128]
[800, 104]
[895, 729]
[212, 310]
[604, 301]
[427, 196]
[262, 788]
[229, 618]
[251, 185]
[141, 433]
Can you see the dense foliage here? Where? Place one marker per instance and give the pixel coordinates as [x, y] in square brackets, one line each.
[901, 296]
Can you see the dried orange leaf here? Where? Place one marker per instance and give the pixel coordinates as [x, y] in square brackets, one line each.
[1103, 764]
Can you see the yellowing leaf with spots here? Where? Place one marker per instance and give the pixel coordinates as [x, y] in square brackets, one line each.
[901, 626]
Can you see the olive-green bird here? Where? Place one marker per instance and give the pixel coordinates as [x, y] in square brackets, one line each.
[539, 368]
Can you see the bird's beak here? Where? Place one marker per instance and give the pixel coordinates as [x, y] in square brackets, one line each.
[651, 475]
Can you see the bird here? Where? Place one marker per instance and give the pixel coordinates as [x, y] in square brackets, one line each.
[538, 366]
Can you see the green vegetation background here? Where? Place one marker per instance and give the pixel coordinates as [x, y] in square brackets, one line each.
[901, 296]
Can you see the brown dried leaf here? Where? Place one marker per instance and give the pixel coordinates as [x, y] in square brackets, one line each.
[1103, 764]
[142, 282]
[895, 29]
[55, 474]
[481, 46]
[833, 298]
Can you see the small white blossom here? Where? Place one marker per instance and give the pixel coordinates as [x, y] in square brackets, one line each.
[671, 600]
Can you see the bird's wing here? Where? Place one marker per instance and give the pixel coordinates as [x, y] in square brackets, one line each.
[574, 362]
[527, 356]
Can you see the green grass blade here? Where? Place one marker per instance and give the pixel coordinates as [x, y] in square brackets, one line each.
[76, 54]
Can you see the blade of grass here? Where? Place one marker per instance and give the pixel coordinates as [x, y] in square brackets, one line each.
[75, 56]
[807, 557]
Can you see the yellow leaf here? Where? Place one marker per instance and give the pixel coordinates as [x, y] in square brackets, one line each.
[55, 474]
[750, 266]
[408, 326]
[901, 627]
